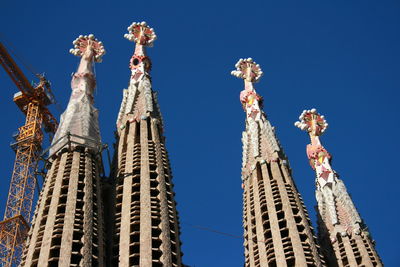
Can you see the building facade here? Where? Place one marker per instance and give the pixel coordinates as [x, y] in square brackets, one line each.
[145, 226]
[342, 233]
[67, 227]
[277, 228]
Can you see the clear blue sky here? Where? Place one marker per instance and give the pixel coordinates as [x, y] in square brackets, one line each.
[341, 57]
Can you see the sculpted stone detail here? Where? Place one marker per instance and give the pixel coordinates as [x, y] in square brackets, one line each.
[157, 107]
[353, 219]
[137, 102]
[245, 149]
[143, 216]
[268, 133]
[339, 221]
[81, 117]
[254, 133]
[276, 225]
[68, 226]
[260, 137]
[319, 158]
[145, 87]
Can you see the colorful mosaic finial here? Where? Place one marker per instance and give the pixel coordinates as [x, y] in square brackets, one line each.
[248, 70]
[140, 83]
[85, 45]
[312, 122]
[141, 33]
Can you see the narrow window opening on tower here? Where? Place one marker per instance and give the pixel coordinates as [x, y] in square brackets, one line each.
[174, 258]
[278, 206]
[300, 228]
[134, 248]
[259, 172]
[137, 133]
[61, 209]
[153, 175]
[303, 237]
[269, 171]
[153, 167]
[156, 243]
[295, 210]
[135, 197]
[65, 181]
[154, 192]
[75, 258]
[134, 237]
[280, 215]
[159, 128]
[280, 170]
[135, 227]
[64, 190]
[54, 253]
[134, 261]
[282, 224]
[149, 134]
[291, 262]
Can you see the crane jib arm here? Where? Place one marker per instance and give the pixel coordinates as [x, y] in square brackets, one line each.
[14, 72]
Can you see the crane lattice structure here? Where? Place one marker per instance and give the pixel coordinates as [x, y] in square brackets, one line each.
[32, 100]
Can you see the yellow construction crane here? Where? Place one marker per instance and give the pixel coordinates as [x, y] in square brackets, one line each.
[32, 100]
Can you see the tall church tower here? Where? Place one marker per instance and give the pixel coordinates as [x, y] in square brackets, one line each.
[145, 222]
[277, 228]
[342, 233]
[67, 228]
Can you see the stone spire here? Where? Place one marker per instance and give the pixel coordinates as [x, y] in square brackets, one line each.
[277, 228]
[133, 107]
[145, 222]
[342, 233]
[79, 122]
[67, 227]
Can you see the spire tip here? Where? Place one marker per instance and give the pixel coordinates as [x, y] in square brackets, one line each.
[141, 33]
[312, 122]
[82, 43]
[248, 70]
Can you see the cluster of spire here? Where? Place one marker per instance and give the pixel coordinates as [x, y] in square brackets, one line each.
[343, 238]
[144, 222]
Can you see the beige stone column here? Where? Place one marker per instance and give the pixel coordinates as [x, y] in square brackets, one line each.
[69, 218]
[48, 232]
[124, 242]
[275, 230]
[32, 242]
[145, 201]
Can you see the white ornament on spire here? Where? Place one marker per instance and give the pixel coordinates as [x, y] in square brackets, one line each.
[141, 33]
[82, 42]
[247, 69]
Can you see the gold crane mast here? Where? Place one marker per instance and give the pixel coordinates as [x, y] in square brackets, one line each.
[33, 102]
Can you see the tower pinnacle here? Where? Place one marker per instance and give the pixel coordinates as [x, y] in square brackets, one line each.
[315, 124]
[79, 122]
[143, 36]
[277, 229]
[342, 233]
[144, 221]
[140, 65]
[68, 225]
